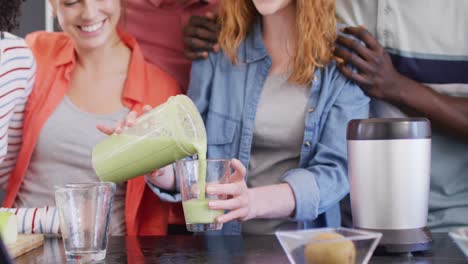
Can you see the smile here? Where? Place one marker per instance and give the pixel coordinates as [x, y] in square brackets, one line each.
[92, 28]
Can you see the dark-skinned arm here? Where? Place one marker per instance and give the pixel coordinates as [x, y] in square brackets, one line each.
[379, 79]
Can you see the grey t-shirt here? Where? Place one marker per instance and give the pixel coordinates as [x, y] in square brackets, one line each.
[277, 139]
[63, 155]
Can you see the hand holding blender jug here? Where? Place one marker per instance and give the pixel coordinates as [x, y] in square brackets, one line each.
[169, 132]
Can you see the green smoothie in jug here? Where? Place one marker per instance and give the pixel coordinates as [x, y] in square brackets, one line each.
[133, 156]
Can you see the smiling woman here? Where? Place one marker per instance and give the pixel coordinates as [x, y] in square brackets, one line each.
[93, 73]
[89, 23]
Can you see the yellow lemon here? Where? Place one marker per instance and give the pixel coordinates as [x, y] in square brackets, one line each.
[319, 251]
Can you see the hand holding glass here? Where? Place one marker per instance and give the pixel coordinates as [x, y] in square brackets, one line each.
[198, 216]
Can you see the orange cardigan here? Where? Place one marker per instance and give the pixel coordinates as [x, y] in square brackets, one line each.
[145, 214]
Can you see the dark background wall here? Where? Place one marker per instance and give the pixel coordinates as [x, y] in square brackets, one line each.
[32, 17]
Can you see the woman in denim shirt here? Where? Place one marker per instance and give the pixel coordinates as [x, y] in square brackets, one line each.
[275, 100]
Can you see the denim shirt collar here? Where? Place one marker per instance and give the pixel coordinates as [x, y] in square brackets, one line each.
[253, 45]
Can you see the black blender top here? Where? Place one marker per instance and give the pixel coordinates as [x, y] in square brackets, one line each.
[389, 128]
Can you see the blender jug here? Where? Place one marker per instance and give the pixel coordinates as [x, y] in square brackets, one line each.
[171, 131]
[389, 164]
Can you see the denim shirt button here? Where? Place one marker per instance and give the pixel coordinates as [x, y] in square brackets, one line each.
[307, 144]
[311, 109]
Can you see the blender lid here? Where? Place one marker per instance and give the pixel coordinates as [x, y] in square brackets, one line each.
[389, 128]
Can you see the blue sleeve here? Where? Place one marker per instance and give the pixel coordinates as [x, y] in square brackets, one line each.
[199, 91]
[324, 182]
[164, 195]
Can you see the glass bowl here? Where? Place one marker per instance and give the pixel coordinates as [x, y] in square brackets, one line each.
[460, 236]
[343, 245]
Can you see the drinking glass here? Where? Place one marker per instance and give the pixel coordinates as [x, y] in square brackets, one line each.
[198, 217]
[84, 210]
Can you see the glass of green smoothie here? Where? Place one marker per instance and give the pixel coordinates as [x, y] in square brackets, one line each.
[192, 179]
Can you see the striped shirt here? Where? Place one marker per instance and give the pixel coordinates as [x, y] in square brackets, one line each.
[428, 42]
[17, 72]
[36, 220]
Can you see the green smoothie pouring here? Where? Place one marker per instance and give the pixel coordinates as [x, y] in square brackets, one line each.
[170, 132]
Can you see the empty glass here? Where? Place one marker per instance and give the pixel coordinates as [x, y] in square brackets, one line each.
[198, 217]
[84, 210]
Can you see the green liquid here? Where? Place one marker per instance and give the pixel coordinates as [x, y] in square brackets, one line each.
[201, 151]
[196, 211]
[133, 156]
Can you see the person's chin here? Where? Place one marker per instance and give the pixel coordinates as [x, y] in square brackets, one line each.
[267, 11]
[94, 42]
[91, 44]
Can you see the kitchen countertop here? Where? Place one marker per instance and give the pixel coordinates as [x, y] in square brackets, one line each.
[230, 249]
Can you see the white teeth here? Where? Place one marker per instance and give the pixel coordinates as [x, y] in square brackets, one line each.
[92, 28]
